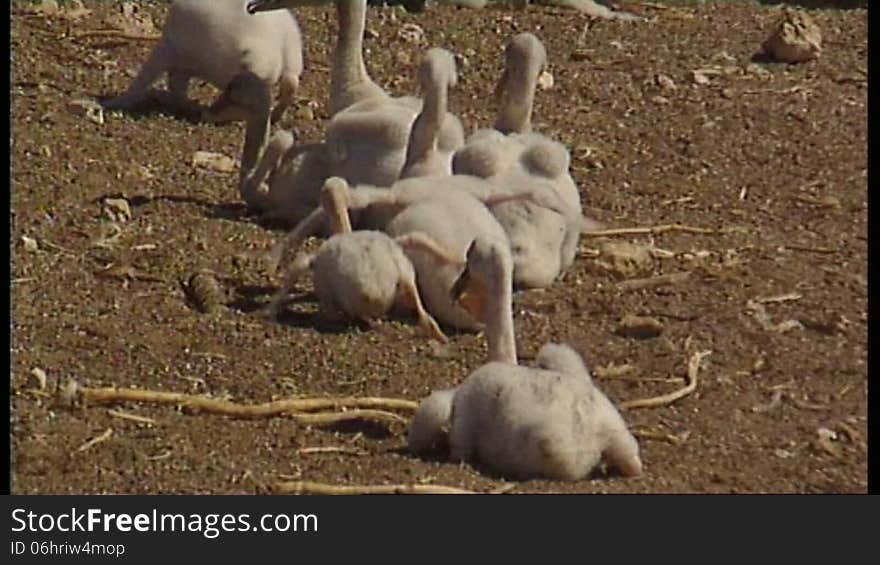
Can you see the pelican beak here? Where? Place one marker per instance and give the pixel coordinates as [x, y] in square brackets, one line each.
[470, 295]
[255, 6]
[459, 288]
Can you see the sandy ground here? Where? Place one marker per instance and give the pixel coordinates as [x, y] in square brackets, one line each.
[775, 157]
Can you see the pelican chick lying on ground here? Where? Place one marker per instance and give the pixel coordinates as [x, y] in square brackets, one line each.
[362, 275]
[547, 421]
[281, 180]
[369, 130]
[437, 74]
[215, 41]
[544, 242]
[277, 179]
[452, 211]
[469, 258]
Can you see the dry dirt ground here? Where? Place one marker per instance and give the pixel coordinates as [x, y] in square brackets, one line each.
[773, 157]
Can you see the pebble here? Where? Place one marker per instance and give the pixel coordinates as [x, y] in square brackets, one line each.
[639, 327]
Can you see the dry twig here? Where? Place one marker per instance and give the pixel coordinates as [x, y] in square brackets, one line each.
[128, 272]
[132, 417]
[303, 411]
[798, 403]
[115, 34]
[310, 487]
[655, 5]
[95, 440]
[775, 401]
[331, 449]
[328, 418]
[760, 313]
[822, 250]
[621, 372]
[674, 439]
[58, 248]
[613, 371]
[664, 399]
[854, 436]
[788, 297]
[229, 408]
[650, 230]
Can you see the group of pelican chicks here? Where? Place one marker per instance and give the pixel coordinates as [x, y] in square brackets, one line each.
[418, 216]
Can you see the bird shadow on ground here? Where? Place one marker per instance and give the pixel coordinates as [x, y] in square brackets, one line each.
[235, 211]
[369, 429]
[232, 212]
[250, 299]
[762, 58]
[239, 212]
[229, 211]
[439, 453]
[158, 102]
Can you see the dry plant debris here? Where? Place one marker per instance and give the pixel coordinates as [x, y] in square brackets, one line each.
[302, 410]
[310, 487]
[693, 368]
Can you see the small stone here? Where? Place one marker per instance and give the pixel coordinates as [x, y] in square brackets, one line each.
[699, 77]
[725, 56]
[829, 202]
[825, 442]
[305, 114]
[133, 20]
[205, 291]
[76, 10]
[213, 161]
[89, 109]
[639, 327]
[440, 350]
[796, 39]
[665, 82]
[759, 365]
[30, 244]
[545, 81]
[69, 393]
[404, 58]
[117, 210]
[143, 173]
[41, 377]
[823, 445]
[623, 260]
[757, 70]
[411, 33]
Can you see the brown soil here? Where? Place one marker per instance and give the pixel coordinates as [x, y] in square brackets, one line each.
[775, 155]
